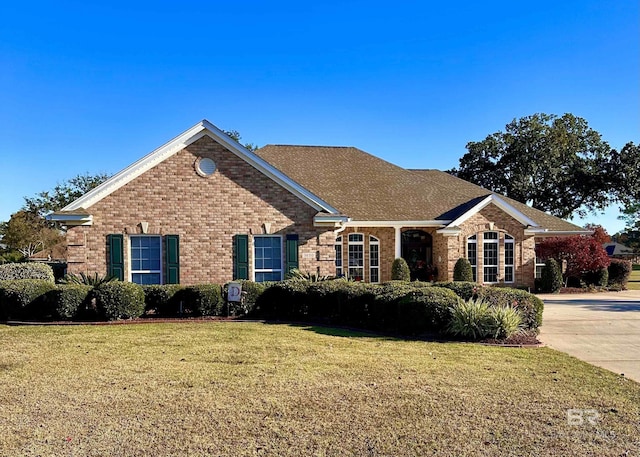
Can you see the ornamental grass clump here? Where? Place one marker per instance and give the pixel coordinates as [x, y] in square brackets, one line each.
[477, 319]
[470, 319]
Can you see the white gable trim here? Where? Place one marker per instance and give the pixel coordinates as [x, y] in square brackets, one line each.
[500, 203]
[180, 142]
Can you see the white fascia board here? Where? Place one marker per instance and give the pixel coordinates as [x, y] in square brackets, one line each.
[557, 232]
[434, 223]
[449, 231]
[180, 142]
[71, 219]
[500, 203]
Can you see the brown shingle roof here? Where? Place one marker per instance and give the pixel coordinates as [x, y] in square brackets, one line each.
[367, 188]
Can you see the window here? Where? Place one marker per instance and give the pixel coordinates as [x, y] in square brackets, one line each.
[146, 259]
[374, 259]
[472, 254]
[338, 246]
[490, 257]
[356, 256]
[267, 258]
[540, 261]
[509, 258]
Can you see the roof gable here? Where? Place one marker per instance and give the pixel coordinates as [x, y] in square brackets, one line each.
[500, 203]
[180, 142]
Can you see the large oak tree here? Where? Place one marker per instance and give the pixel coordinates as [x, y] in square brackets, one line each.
[556, 164]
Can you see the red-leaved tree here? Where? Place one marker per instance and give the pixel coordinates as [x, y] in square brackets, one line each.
[583, 254]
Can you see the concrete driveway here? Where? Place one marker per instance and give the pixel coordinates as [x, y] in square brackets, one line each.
[600, 328]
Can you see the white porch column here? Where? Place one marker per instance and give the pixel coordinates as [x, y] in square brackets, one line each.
[398, 242]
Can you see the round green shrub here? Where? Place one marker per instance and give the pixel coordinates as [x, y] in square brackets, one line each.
[463, 289]
[619, 272]
[284, 300]
[25, 299]
[551, 277]
[425, 310]
[528, 305]
[163, 300]
[119, 300]
[28, 270]
[400, 270]
[69, 300]
[463, 271]
[203, 299]
[599, 278]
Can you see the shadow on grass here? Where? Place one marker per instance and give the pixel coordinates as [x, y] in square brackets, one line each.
[326, 329]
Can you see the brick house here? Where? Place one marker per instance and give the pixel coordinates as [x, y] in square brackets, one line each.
[203, 209]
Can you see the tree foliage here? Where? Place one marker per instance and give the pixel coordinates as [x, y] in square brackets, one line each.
[235, 136]
[62, 194]
[599, 233]
[556, 164]
[583, 254]
[28, 234]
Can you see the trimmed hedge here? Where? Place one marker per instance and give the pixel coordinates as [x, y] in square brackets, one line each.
[284, 300]
[70, 300]
[119, 300]
[24, 299]
[425, 309]
[528, 305]
[463, 289]
[463, 271]
[203, 299]
[251, 291]
[551, 277]
[400, 270]
[163, 300]
[619, 272]
[13, 271]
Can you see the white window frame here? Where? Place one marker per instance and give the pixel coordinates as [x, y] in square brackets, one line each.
[130, 258]
[373, 241]
[485, 266]
[266, 270]
[540, 263]
[473, 240]
[509, 241]
[351, 267]
[339, 257]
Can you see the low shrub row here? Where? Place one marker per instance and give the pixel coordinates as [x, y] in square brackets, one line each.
[409, 308]
[406, 307]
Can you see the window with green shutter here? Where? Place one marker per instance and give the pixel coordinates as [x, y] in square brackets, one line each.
[292, 252]
[115, 267]
[241, 257]
[172, 259]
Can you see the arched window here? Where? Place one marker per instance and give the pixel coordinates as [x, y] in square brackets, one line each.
[472, 254]
[374, 259]
[509, 258]
[356, 256]
[491, 256]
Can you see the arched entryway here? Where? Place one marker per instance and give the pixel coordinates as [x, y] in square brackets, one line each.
[417, 250]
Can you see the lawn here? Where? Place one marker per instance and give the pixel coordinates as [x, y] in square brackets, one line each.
[634, 279]
[250, 389]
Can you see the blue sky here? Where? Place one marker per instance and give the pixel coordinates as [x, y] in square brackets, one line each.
[88, 87]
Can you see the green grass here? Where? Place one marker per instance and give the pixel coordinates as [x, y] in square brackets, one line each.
[250, 389]
[634, 279]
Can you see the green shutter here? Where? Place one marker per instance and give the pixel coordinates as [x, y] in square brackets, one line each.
[241, 257]
[292, 252]
[116, 256]
[172, 259]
